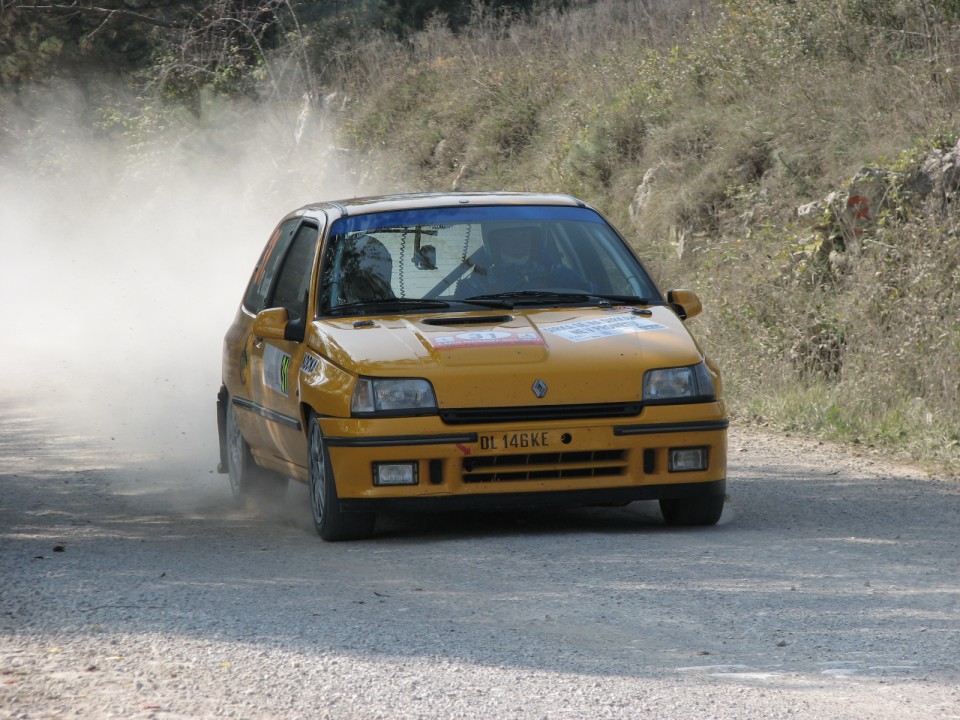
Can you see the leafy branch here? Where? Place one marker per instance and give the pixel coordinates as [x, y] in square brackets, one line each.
[107, 14]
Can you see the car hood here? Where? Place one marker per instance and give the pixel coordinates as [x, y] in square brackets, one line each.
[494, 359]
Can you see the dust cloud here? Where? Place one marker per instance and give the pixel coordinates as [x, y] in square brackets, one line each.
[123, 265]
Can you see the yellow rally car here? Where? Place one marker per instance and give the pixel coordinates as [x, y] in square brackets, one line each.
[466, 350]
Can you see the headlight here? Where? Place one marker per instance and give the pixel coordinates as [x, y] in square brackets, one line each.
[392, 395]
[682, 384]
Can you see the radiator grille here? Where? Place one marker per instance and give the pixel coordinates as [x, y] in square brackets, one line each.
[544, 466]
[463, 416]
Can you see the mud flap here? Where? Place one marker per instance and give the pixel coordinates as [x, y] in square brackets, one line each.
[223, 397]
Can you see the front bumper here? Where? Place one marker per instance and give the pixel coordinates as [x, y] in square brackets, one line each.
[547, 499]
[529, 464]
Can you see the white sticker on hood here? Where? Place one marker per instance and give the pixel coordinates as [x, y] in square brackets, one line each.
[597, 328]
[484, 339]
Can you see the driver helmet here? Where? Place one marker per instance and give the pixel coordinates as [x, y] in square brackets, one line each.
[514, 246]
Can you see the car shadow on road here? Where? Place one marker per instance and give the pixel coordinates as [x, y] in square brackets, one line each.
[634, 517]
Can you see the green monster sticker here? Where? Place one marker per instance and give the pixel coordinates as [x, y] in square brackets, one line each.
[284, 368]
[276, 365]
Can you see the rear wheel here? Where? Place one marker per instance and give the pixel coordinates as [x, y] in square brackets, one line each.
[250, 482]
[331, 521]
[692, 511]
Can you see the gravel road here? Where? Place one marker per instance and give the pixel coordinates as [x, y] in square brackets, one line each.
[133, 588]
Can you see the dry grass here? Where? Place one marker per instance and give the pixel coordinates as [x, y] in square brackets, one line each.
[747, 109]
[744, 110]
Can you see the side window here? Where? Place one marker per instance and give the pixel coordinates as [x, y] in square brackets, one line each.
[293, 278]
[256, 298]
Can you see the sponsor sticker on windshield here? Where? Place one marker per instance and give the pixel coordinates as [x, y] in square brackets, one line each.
[485, 339]
[597, 328]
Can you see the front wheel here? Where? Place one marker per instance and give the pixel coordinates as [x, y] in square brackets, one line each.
[692, 511]
[332, 522]
[250, 482]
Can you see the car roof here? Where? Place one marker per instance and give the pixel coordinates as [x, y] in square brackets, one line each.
[412, 201]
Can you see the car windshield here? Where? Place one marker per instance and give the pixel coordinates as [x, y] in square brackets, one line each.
[503, 256]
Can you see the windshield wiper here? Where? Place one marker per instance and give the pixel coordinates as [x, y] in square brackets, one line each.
[625, 299]
[387, 304]
[538, 297]
[524, 297]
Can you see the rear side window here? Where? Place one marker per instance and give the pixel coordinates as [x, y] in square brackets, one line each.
[256, 298]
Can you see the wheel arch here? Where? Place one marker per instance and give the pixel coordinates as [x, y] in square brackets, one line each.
[307, 411]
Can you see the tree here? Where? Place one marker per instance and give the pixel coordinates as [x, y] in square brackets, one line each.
[195, 43]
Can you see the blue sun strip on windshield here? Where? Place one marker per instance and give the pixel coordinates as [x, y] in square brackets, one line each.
[450, 215]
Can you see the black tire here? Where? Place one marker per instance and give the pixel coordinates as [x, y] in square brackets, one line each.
[251, 484]
[704, 510]
[332, 523]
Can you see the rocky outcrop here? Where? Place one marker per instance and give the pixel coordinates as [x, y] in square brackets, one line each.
[939, 177]
[641, 198]
[842, 218]
[685, 240]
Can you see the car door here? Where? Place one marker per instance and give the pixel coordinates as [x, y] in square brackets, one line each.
[245, 366]
[276, 363]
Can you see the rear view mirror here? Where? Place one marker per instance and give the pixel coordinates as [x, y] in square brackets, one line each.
[425, 257]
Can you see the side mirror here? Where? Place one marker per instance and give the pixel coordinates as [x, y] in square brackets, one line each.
[271, 324]
[685, 303]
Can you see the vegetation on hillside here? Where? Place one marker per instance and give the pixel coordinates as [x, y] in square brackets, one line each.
[699, 128]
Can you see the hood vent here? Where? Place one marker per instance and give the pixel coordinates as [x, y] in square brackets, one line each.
[469, 320]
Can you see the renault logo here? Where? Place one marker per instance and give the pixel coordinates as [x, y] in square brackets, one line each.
[539, 388]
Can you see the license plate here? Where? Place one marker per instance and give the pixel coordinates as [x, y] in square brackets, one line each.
[515, 441]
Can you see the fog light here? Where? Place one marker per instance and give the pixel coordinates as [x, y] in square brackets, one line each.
[687, 459]
[395, 474]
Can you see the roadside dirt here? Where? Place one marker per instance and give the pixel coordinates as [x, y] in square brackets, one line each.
[133, 588]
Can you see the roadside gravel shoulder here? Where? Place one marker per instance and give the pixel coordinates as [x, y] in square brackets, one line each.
[134, 589]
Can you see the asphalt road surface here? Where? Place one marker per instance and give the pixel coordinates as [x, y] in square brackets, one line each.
[132, 587]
